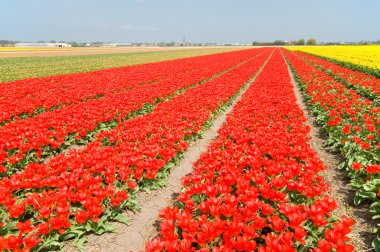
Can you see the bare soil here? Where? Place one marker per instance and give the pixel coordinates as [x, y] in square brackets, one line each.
[361, 236]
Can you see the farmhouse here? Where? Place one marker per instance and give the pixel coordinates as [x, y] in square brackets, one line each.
[42, 45]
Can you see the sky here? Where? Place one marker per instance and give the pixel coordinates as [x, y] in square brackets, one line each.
[211, 21]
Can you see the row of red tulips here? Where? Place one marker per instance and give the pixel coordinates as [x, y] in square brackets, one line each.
[32, 96]
[353, 126]
[364, 84]
[47, 134]
[258, 187]
[82, 190]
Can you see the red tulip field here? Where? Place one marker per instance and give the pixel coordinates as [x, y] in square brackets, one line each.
[81, 154]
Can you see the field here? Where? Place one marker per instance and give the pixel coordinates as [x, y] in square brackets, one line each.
[217, 149]
[13, 52]
[363, 58]
[14, 63]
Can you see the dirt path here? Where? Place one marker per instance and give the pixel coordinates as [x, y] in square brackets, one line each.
[361, 236]
[144, 224]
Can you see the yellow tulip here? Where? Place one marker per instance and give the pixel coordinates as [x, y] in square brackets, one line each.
[362, 55]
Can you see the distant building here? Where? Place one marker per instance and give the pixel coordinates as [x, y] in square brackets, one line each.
[117, 44]
[290, 42]
[42, 45]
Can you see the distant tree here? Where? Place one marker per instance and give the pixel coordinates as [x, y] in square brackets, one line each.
[97, 43]
[41, 41]
[330, 43]
[311, 41]
[279, 42]
[52, 41]
[76, 44]
[73, 43]
[301, 42]
[276, 42]
[8, 42]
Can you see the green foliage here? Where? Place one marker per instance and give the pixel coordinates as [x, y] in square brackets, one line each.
[276, 42]
[279, 42]
[312, 41]
[301, 42]
[7, 42]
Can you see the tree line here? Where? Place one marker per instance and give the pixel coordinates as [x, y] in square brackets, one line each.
[311, 41]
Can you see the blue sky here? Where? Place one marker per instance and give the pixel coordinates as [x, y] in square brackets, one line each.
[221, 21]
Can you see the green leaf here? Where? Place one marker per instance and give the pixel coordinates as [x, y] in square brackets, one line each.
[80, 242]
[369, 187]
[104, 226]
[122, 219]
[50, 245]
[376, 206]
[358, 183]
[375, 182]
[68, 236]
[10, 226]
[357, 200]
[376, 244]
[88, 227]
[368, 195]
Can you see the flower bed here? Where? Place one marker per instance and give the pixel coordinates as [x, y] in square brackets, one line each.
[47, 134]
[353, 126]
[364, 84]
[29, 97]
[83, 190]
[258, 187]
